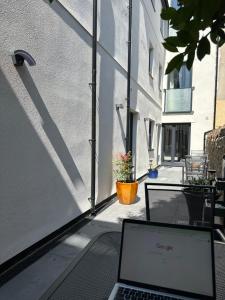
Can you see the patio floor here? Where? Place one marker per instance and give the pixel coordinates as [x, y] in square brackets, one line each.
[31, 283]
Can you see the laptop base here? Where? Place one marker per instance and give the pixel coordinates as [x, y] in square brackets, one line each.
[113, 295]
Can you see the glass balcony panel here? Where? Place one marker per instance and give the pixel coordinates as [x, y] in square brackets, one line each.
[178, 100]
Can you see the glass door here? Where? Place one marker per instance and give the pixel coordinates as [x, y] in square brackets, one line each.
[167, 142]
[175, 142]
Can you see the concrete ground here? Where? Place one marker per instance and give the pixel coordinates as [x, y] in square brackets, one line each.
[32, 282]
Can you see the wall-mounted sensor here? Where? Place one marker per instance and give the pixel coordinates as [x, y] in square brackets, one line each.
[118, 106]
[20, 55]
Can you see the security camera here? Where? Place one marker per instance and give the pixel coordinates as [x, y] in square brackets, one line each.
[20, 55]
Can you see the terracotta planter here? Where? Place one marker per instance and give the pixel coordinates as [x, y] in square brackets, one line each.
[126, 192]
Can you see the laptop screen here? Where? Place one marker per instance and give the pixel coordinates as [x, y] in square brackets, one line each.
[174, 258]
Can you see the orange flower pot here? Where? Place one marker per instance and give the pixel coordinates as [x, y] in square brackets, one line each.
[126, 192]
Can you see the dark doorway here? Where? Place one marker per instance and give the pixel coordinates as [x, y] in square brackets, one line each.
[175, 141]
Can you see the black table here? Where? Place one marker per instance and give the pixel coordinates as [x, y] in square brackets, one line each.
[93, 274]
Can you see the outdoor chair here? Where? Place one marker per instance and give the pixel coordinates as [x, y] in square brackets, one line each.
[179, 204]
[196, 166]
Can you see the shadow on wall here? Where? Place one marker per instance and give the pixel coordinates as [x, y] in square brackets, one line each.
[134, 79]
[106, 100]
[50, 128]
[34, 197]
[70, 20]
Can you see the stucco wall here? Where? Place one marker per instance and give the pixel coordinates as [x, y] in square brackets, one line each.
[45, 165]
[46, 109]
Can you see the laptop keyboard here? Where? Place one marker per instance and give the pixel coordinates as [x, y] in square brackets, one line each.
[132, 294]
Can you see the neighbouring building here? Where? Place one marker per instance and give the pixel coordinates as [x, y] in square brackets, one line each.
[46, 109]
[188, 107]
[220, 99]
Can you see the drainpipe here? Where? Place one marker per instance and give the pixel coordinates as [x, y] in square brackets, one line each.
[93, 118]
[128, 145]
[215, 97]
[216, 80]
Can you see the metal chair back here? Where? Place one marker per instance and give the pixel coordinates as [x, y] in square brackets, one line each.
[180, 204]
[196, 166]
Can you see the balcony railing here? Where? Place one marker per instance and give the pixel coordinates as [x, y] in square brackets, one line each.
[178, 100]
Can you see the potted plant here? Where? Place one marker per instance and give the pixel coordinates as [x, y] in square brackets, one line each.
[152, 171]
[195, 196]
[126, 186]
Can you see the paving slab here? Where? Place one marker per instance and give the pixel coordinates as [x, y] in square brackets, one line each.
[32, 282]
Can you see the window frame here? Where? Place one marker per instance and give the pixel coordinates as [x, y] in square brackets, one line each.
[169, 75]
[164, 28]
[160, 77]
[151, 60]
[151, 126]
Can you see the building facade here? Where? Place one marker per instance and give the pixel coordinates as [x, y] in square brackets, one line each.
[46, 109]
[188, 107]
[188, 110]
[220, 96]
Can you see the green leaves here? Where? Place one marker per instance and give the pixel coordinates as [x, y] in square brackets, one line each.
[190, 59]
[175, 63]
[203, 47]
[190, 21]
[170, 47]
[122, 167]
[175, 41]
[168, 13]
[172, 43]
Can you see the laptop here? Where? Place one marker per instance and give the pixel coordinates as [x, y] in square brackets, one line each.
[165, 262]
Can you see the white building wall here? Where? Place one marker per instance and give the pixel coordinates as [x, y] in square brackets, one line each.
[201, 116]
[146, 97]
[45, 110]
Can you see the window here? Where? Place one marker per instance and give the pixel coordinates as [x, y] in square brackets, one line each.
[181, 79]
[151, 58]
[150, 134]
[164, 28]
[174, 4]
[160, 78]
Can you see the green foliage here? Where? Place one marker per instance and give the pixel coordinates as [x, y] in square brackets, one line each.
[203, 47]
[199, 181]
[197, 22]
[175, 61]
[123, 167]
